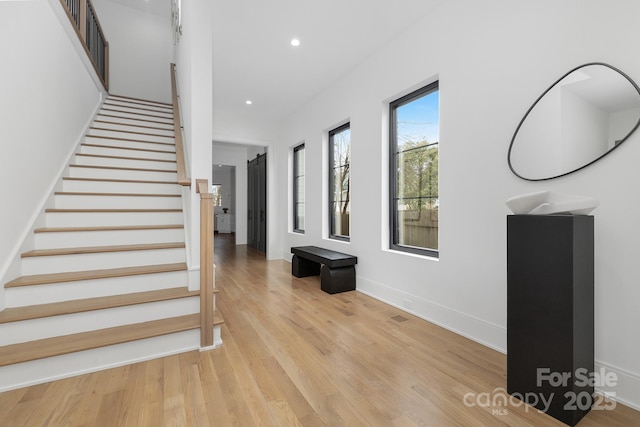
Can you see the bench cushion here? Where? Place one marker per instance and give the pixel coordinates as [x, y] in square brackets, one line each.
[331, 259]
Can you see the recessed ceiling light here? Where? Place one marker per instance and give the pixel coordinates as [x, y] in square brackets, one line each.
[248, 102]
[295, 42]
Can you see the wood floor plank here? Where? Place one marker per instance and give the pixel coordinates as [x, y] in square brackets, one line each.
[294, 355]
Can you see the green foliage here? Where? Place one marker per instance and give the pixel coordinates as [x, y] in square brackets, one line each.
[417, 163]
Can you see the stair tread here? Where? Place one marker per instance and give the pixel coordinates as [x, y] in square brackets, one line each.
[23, 352]
[217, 319]
[143, 159]
[107, 228]
[134, 118]
[130, 140]
[138, 107]
[54, 210]
[122, 168]
[131, 125]
[113, 147]
[85, 193]
[133, 181]
[102, 249]
[115, 97]
[74, 276]
[16, 314]
[131, 131]
[115, 110]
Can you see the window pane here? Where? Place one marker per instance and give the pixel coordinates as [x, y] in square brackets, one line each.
[418, 172]
[216, 190]
[417, 223]
[414, 187]
[341, 218]
[340, 181]
[298, 188]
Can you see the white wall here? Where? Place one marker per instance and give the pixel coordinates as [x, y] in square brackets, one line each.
[140, 50]
[195, 80]
[48, 97]
[235, 155]
[493, 59]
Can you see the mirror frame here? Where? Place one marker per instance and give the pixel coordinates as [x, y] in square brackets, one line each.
[542, 96]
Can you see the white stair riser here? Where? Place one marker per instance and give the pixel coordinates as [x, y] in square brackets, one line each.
[52, 368]
[71, 185]
[145, 145]
[122, 112]
[115, 103]
[56, 292]
[116, 202]
[124, 163]
[140, 111]
[98, 261]
[82, 172]
[122, 152]
[36, 329]
[77, 239]
[97, 219]
[135, 136]
[114, 117]
[113, 124]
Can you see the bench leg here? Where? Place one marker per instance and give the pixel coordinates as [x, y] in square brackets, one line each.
[301, 267]
[334, 280]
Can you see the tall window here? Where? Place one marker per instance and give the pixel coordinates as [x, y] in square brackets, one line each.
[298, 188]
[340, 182]
[414, 136]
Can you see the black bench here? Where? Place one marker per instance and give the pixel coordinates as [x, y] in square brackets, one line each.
[337, 273]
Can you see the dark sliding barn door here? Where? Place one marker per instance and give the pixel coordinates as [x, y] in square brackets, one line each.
[257, 202]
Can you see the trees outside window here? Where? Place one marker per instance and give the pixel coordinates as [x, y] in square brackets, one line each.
[298, 188]
[414, 140]
[340, 182]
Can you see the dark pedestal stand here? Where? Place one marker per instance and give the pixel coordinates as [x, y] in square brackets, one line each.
[550, 306]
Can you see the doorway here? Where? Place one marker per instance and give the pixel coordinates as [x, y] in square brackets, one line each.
[257, 203]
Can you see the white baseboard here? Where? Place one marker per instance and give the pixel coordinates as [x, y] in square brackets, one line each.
[481, 331]
[626, 387]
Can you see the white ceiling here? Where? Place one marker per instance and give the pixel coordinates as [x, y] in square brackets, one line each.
[253, 58]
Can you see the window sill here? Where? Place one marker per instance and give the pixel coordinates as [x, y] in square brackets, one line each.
[343, 241]
[411, 254]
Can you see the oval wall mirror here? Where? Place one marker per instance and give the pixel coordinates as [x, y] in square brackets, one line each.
[584, 115]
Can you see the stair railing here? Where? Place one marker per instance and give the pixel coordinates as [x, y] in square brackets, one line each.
[85, 21]
[207, 277]
[183, 179]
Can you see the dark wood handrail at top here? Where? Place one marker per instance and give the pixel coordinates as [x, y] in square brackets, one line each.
[183, 178]
[97, 52]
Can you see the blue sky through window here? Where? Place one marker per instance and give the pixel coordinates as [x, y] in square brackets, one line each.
[419, 120]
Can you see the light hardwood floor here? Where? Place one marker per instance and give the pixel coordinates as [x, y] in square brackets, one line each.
[295, 356]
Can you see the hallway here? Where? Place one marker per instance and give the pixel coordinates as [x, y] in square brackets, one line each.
[295, 356]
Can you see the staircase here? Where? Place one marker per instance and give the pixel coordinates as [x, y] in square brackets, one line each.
[106, 284]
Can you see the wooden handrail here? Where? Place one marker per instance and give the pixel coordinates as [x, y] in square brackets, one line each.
[207, 276]
[183, 178]
[95, 43]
